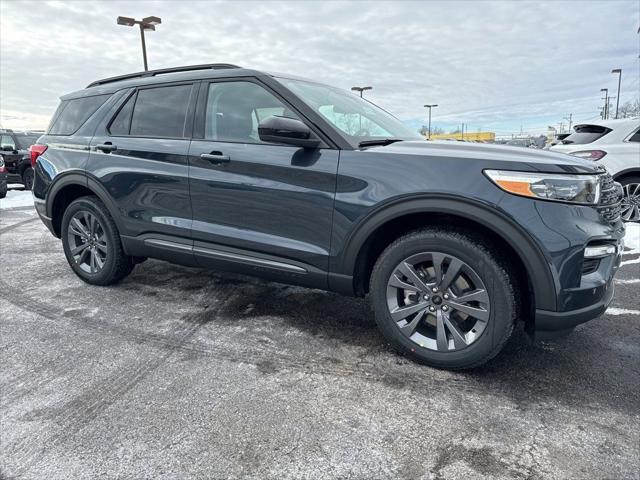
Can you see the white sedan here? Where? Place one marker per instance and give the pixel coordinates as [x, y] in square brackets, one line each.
[616, 145]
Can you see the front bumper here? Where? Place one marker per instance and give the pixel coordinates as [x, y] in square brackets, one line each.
[596, 292]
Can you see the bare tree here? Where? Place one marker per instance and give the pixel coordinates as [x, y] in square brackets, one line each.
[629, 109]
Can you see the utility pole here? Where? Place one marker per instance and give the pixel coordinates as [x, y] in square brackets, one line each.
[430, 106]
[569, 119]
[619, 72]
[605, 112]
[148, 23]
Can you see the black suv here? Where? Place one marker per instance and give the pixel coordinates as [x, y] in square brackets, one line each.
[295, 181]
[14, 149]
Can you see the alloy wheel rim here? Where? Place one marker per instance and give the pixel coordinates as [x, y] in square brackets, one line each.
[438, 301]
[87, 242]
[630, 206]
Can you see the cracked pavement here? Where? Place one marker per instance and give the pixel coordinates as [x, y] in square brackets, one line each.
[186, 373]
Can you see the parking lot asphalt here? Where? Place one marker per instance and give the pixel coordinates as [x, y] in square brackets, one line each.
[186, 373]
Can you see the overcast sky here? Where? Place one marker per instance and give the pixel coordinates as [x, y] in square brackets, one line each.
[492, 65]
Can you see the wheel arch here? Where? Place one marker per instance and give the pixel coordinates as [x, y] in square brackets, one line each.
[383, 226]
[628, 172]
[67, 188]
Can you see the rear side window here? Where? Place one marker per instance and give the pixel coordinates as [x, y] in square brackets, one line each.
[584, 134]
[158, 112]
[635, 137]
[122, 121]
[73, 113]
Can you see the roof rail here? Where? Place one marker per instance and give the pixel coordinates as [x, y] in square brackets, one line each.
[153, 73]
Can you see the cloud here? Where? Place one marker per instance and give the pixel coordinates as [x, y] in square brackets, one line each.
[485, 63]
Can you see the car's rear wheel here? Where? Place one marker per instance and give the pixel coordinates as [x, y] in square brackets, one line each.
[444, 298]
[92, 243]
[630, 208]
[27, 178]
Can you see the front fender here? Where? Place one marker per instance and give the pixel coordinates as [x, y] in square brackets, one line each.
[536, 264]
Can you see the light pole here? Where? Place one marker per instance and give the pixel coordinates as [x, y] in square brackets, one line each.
[148, 23]
[361, 89]
[619, 72]
[430, 106]
[606, 103]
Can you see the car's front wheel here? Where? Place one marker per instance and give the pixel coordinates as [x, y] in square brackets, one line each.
[92, 244]
[444, 298]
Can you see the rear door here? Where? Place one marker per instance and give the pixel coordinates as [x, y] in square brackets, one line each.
[139, 156]
[266, 206]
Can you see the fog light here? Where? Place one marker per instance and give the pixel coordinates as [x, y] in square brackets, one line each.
[599, 251]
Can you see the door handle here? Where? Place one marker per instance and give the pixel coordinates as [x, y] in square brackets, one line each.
[106, 147]
[216, 157]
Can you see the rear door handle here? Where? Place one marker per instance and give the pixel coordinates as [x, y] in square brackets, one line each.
[106, 147]
[216, 157]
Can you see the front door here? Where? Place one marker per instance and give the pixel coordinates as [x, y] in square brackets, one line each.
[267, 207]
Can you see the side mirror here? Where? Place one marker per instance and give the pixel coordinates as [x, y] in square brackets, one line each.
[278, 129]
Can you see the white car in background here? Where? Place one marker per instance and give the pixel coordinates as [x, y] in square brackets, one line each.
[616, 145]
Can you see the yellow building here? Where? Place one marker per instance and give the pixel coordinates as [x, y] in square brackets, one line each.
[468, 136]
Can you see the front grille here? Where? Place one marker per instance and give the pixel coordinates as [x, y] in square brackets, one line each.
[610, 198]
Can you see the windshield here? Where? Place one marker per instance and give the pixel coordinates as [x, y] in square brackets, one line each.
[584, 134]
[356, 119]
[25, 141]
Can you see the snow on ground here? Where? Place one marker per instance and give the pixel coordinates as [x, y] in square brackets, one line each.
[16, 198]
[632, 238]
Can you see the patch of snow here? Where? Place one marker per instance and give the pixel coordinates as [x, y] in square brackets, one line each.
[16, 198]
[627, 281]
[632, 238]
[621, 311]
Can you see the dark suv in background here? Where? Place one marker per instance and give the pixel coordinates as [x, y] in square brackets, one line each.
[291, 180]
[14, 149]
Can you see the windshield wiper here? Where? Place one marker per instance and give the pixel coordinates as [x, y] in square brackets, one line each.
[379, 141]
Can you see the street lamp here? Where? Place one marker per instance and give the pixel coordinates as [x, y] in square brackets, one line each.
[606, 103]
[148, 23]
[361, 89]
[619, 72]
[430, 106]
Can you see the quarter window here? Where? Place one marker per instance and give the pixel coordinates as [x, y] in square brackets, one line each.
[234, 110]
[73, 113]
[160, 112]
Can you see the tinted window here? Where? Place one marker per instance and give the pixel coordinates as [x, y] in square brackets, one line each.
[122, 121]
[234, 110]
[584, 134]
[74, 113]
[7, 141]
[161, 112]
[635, 137]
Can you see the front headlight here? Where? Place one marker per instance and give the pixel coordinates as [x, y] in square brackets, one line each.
[582, 189]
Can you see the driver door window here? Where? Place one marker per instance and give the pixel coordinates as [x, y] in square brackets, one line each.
[234, 110]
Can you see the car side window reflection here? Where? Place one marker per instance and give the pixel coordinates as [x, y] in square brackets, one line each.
[234, 110]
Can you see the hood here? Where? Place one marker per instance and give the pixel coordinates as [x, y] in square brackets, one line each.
[499, 156]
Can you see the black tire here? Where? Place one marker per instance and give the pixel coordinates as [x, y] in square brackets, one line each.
[27, 178]
[491, 269]
[629, 185]
[116, 265]
[3, 191]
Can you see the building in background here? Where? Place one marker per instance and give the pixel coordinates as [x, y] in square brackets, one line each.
[466, 136]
